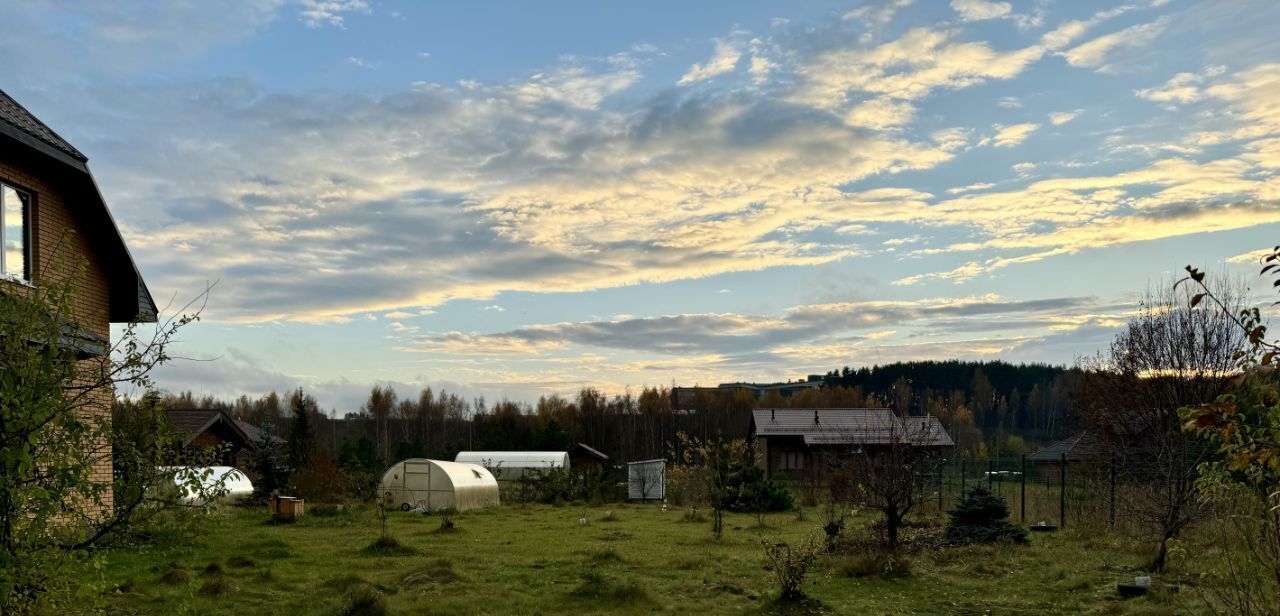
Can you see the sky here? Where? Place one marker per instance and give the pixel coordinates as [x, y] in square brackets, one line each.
[512, 199]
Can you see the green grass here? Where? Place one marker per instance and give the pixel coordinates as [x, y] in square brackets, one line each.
[541, 560]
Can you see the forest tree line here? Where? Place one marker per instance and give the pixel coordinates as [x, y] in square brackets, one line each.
[990, 408]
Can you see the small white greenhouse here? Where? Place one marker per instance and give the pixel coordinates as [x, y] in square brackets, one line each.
[216, 483]
[511, 465]
[436, 485]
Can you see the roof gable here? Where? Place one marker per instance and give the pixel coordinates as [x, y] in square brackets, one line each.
[32, 142]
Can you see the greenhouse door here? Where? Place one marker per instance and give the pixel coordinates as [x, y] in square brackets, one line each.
[417, 482]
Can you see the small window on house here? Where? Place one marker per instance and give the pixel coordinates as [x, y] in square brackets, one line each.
[15, 236]
[793, 461]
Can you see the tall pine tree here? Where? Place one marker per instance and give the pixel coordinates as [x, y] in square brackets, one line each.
[301, 436]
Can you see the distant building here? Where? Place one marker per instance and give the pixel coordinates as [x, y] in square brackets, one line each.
[791, 442]
[585, 458]
[205, 429]
[1081, 448]
[683, 398]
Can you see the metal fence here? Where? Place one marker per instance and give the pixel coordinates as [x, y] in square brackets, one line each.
[1060, 493]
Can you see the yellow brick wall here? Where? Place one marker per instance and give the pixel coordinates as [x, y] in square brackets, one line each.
[61, 249]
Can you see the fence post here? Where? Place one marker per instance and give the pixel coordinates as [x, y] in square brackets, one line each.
[1113, 490]
[1022, 517]
[962, 465]
[941, 468]
[991, 473]
[1062, 493]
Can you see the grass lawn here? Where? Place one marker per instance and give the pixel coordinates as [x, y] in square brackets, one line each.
[542, 560]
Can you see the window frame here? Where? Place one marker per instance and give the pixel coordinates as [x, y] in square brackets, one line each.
[26, 277]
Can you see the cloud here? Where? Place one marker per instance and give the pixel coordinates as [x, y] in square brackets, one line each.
[1095, 53]
[970, 188]
[730, 335]
[951, 139]
[977, 10]
[1011, 135]
[1058, 118]
[877, 14]
[318, 13]
[724, 60]
[1254, 93]
[880, 114]
[1253, 257]
[908, 68]
[1181, 88]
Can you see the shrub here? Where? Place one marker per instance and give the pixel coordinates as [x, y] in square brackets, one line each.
[177, 574]
[386, 545]
[363, 601]
[884, 565]
[982, 517]
[598, 587]
[789, 565]
[446, 520]
[323, 481]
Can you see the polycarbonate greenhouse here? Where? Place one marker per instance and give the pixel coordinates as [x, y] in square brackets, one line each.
[510, 465]
[436, 485]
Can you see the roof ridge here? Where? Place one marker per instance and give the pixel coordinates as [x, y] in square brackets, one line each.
[44, 133]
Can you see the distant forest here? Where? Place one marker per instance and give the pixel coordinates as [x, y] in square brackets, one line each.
[990, 408]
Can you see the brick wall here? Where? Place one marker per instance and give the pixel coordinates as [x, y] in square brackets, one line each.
[61, 249]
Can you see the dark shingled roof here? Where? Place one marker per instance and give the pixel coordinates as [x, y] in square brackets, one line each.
[1082, 447]
[191, 422]
[849, 426]
[17, 116]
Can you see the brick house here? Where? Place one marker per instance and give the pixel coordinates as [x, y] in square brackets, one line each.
[53, 216]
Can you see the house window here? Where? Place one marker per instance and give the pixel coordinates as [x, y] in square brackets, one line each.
[792, 461]
[15, 236]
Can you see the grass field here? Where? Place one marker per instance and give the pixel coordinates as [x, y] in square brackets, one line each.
[626, 559]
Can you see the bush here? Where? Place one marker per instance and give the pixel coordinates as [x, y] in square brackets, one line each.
[364, 601]
[885, 565]
[323, 481]
[756, 493]
[789, 565]
[982, 517]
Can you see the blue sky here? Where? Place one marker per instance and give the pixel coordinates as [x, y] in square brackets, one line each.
[510, 199]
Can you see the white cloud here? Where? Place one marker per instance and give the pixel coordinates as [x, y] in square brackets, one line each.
[1011, 135]
[977, 10]
[1181, 88]
[724, 60]
[880, 114]
[970, 188]
[1009, 102]
[907, 68]
[1096, 53]
[1058, 118]
[317, 13]
[951, 139]
[877, 14]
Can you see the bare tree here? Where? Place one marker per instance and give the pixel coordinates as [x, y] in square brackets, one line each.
[889, 473]
[1169, 356]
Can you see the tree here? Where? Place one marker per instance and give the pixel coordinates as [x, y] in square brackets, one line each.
[889, 476]
[54, 432]
[713, 462]
[301, 436]
[1169, 356]
[1243, 428]
[267, 462]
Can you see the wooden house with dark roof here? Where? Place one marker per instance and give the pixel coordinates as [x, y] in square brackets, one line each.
[206, 429]
[583, 457]
[791, 442]
[1084, 447]
[55, 227]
